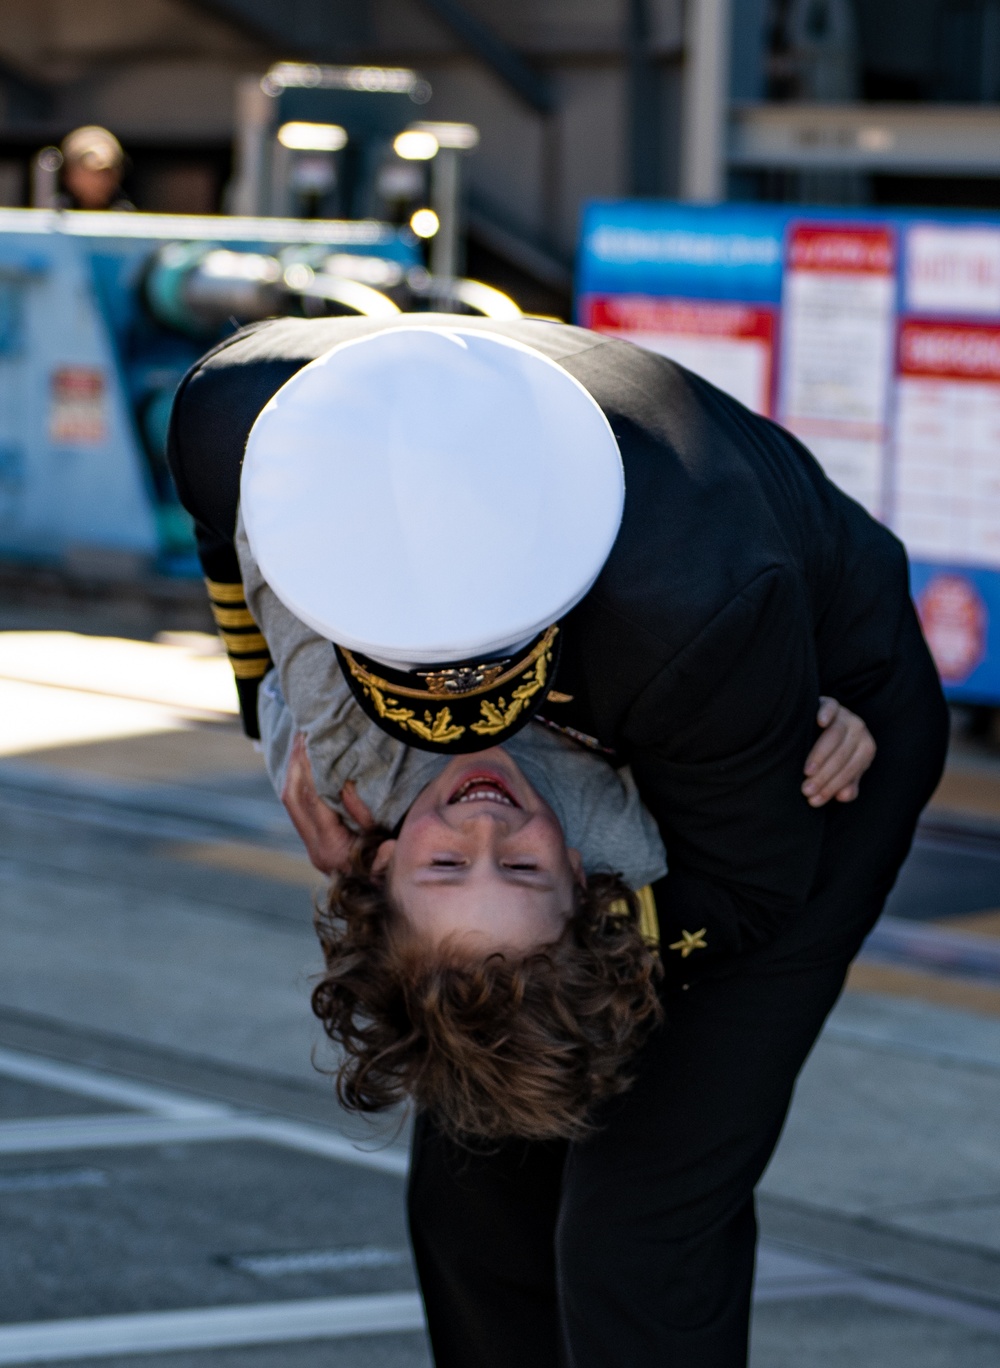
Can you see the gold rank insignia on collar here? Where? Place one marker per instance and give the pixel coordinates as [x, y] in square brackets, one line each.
[455, 708]
[689, 941]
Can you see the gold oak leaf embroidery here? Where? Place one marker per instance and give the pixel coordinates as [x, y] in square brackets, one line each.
[438, 729]
[690, 940]
[497, 716]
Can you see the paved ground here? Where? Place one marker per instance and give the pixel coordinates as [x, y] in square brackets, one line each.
[168, 1152]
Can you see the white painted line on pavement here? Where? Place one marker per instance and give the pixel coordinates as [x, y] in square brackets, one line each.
[388, 1313]
[282, 1262]
[113, 1132]
[180, 1118]
[52, 1180]
[51, 1134]
[328, 1145]
[86, 1082]
[211, 1327]
[921, 1303]
[177, 1118]
[783, 1276]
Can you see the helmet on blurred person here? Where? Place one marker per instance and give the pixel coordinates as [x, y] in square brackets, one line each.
[94, 163]
[93, 147]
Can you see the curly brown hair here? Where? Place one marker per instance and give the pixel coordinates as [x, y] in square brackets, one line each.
[497, 1047]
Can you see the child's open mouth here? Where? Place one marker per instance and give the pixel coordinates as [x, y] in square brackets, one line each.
[483, 788]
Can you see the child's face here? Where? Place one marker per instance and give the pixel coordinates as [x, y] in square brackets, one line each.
[481, 860]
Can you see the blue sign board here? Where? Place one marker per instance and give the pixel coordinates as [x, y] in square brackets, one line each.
[873, 336]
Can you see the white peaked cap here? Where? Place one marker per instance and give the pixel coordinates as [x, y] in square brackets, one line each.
[425, 494]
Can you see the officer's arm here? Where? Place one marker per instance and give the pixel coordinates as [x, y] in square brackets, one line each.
[204, 455]
[244, 642]
[717, 744]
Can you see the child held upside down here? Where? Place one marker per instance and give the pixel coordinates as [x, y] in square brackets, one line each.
[484, 940]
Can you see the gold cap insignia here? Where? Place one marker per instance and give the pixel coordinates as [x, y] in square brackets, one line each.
[485, 702]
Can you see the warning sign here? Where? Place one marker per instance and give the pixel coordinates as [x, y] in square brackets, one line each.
[954, 620]
[731, 345]
[76, 412]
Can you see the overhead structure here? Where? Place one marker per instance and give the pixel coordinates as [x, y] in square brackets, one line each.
[526, 81]
[323, 30]
[335, 30]
[705, 101]
[308, 132]
[905, 139]
[346, 135]
[451, 139]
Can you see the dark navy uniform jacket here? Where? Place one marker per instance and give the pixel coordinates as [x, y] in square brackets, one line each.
[741, 587]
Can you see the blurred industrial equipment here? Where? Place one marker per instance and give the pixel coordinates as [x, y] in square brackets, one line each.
[346, 142]
[101, 314]
[100, 317]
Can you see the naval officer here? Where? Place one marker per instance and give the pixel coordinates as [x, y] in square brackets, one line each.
[739, 586]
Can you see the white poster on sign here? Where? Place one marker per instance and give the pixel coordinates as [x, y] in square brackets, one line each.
[740, 366]
[837, 338]
[730, 345]
[952, 271]
[838, 331]
[947, 503]
[76, 406]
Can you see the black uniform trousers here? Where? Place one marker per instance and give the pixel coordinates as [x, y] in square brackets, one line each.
[635, 1248]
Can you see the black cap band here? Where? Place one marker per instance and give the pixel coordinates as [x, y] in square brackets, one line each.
[456, 708]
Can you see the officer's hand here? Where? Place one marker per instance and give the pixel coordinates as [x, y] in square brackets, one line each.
[329, 842]
[840, 756]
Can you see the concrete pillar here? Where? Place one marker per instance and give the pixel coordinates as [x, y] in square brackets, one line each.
[249, 192]
[446, 203]
[705, 101]
[45, 170]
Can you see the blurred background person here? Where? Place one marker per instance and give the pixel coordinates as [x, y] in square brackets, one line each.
[94, 166]
[85, 172]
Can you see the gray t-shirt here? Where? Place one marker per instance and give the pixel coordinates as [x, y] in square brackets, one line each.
[598, 806]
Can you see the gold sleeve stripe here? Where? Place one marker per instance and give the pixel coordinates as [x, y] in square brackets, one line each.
[225, 593]
[245, 644]
[232, 617]
[251, 669]
[649, 922]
